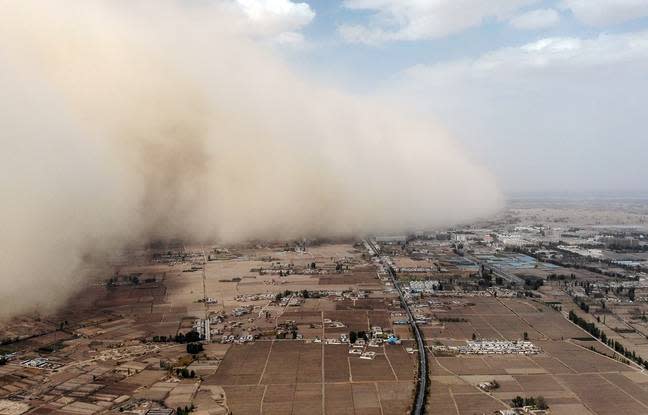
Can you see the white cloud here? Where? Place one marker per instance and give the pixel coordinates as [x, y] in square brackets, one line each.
[418, 19]
[560, 53]
[536, 19]
[557, 113]
[606, 12]
[280, 20]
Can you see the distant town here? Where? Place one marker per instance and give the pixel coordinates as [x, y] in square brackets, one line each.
[539, 310]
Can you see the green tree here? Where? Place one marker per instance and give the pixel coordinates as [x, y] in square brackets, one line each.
[518, 402]
[192, 336]
[194, 348]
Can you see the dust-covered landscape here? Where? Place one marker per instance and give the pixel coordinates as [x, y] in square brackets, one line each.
[360, 207]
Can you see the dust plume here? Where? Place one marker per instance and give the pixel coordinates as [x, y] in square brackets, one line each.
[129, 120]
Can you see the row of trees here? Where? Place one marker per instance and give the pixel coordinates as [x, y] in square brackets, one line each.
[302, 293]
[191, 337]
[487, 279]
[599, 334]
[452, 319]
[560, 277]
[587, 326]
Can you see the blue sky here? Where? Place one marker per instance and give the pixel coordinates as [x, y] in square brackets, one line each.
[367, 64]
[550, 95]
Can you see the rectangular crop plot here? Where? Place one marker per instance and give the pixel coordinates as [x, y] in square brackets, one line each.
[244, 400]
[371, 370]
[581, 360]
[395, 397]
[553, 325]
[302, 317]
[465, 365]
[477, 403]
[336, 364]
[511, 362]
[511, 327]
[293, 399]
[356, 320]
[551, 364]
[522, 306]
[596, 392]
[538, 383]
[441, 403]
[242, 365]
[403, 363]
[293, 362]
[339, 399]
[365, 399]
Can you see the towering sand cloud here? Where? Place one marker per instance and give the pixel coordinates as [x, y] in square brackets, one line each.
[123, 121]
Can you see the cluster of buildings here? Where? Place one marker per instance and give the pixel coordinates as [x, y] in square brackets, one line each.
[484, 347]
[499, 347]
[427, 286]
[41, 363]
